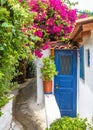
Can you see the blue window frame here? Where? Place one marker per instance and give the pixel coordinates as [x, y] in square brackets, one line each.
[82, 62]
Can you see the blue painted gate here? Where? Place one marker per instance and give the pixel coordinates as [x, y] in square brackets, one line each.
[65, 83]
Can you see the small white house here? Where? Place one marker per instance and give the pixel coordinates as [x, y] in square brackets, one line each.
[83, 35]
[73, 86]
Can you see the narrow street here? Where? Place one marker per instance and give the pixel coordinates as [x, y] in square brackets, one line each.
[25, 110]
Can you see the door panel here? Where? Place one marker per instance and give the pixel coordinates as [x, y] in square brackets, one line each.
[65, 83]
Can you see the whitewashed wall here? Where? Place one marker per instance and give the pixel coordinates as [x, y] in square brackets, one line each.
[6, 118]
[40, 95]
[85, 89]
[78, 75]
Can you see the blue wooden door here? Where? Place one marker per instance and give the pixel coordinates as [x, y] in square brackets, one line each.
[65, 83]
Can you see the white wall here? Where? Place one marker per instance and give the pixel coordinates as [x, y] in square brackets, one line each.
[85, 90]
[40, 95]
[51, 108]
[6, 118]
[78, 73]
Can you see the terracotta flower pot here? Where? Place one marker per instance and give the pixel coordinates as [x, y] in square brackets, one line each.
[47, 86]
[52, 51]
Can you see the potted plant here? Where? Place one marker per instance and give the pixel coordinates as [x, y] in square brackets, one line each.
[48, 70]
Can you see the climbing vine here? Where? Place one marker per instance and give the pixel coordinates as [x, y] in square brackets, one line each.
[13, 42]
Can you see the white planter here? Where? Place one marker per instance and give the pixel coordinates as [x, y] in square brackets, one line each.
[6, 118]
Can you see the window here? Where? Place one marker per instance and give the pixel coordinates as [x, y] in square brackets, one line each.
[88, 57]
[82, 62]
[65, 65]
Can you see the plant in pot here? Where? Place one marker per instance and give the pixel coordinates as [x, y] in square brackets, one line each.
[48, 70]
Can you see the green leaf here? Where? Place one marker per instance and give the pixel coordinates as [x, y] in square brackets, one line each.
[1, 48]
[6, 25]
[1, 75]
[2, 2]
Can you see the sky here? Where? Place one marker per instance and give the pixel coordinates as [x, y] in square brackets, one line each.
[84, 4]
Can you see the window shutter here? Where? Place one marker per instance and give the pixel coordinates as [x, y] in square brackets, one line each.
[82, 62]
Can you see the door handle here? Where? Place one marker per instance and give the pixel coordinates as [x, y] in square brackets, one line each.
[56, 86]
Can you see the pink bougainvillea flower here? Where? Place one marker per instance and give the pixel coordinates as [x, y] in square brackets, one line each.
[35, 25]
[40, 16]
[66, 45]
[50, 22]
[45, 46]
[34, 5]
[38, 53]
[20, 0]
[38, 33]
[72, 15]
[24, 29]
[83, 15]
[56, 29]
[49, 43]
[58, 34]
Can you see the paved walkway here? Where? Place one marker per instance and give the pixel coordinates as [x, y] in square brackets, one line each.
[25, 109]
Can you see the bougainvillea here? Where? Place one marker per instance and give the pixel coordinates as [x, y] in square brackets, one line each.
[53, 21]
[84, 14]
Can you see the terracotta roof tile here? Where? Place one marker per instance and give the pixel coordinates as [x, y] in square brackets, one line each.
[78, 26]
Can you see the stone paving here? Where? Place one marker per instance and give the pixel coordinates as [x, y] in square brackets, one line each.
[16, 126]
[25, 109]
